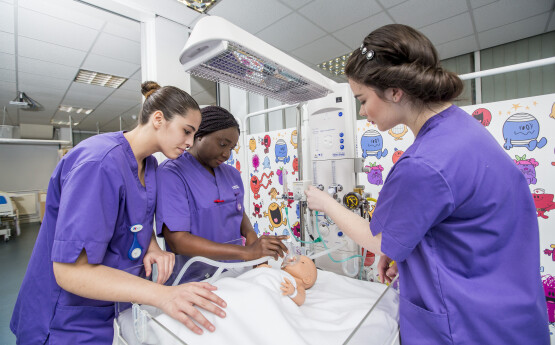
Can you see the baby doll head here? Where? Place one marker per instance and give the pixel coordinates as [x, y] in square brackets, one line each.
[304, 270]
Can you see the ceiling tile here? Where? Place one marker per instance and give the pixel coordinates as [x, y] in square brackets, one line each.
[117, 48]
[258, 16]
[449, 29]
[53, 30]
[7, 61]
[127, 29]
[6, 17]
[325, 48]
[480, 3]
[417, 13]
[353, 35]
[512, 32]
[68, 10]
[50, 52]
[7, 44]
[7, 1]
[108, 65]
[457, 47]
[132, 85]
[331, 16]
[127, 95]
[7, 75]
[43, 82]
[84, 95]
[508, 11]
[46, 68]
[291, 32]
[390, 3]
[295, 4]
[7, 87]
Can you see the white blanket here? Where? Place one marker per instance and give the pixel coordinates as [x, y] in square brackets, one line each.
[257, 313]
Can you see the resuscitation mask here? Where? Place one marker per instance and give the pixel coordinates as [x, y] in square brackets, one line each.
[293, 254]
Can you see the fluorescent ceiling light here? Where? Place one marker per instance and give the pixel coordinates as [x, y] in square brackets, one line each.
[78, 110]
[97, 78]
[200, 6]
[62, 123]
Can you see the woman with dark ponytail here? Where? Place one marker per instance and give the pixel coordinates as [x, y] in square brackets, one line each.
[200, 199]
[455, 214]
[98, 229]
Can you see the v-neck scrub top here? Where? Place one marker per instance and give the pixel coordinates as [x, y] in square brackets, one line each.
[458, 217]
[94, 197]
[191, 199]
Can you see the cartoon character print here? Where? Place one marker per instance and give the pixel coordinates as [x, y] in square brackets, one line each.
[296, 228]
[544, 202]
[266, 163]
[252, 144]
[257, 209]
[522, 129]
[236, 148]
[483, 115]
[396, 155]
[398, 132]
[255, 226]
[279, 172]
[256, 183]
[375, 174]
[275, 216]
[552, 115]
[294, 139]
[372, 144]
[527, 167]
[549, 290]
[295, 165]
[281, 152]
[230, 160]
[266, 141]
[255, 162]
[273, 193]
[553, 163]
[550, 252]
[238, 166]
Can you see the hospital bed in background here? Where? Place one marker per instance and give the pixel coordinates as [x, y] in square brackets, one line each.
[338, 309]
[9, 217]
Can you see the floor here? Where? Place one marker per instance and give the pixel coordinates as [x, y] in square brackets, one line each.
[14, 256]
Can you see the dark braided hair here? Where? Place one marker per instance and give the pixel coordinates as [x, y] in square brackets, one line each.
[215, 118]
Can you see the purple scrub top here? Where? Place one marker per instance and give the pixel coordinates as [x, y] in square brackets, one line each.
[94, 198]
[458, 217]
[191, 199]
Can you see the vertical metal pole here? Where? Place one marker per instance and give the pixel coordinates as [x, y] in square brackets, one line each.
[302, 204]
[478, 81]
[70, 131]
[97, 128]
[120, 127]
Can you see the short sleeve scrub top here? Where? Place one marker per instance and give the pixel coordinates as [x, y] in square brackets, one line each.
[94, 198]
[458, 218]
[191, 199]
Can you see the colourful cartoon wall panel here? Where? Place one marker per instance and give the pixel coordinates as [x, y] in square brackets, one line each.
[272, 161]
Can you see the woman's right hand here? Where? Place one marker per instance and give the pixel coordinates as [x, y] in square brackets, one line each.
[266, 246]
[181, 303]
[386, 270]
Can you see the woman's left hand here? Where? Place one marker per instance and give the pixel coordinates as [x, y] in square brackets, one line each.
[165, 261]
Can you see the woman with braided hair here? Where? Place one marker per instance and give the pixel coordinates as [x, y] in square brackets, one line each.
[98, 229]
[454, 213]
[200, 199]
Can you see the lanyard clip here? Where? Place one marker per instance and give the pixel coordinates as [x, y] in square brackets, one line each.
[217, 201]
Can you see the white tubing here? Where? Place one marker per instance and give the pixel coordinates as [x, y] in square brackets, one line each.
[511, 68]
[221, 265]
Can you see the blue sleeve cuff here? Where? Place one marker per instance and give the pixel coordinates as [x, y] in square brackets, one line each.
[69, 251]
[390, 246]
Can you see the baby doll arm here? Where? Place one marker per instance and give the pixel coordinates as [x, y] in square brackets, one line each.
[298, 295]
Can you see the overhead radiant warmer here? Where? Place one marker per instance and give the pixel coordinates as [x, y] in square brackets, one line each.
[222, 52]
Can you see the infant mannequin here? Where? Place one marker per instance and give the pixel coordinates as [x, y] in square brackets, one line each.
[304, 272]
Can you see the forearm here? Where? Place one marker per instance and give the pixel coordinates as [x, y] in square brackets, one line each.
[354, 226]
[187, 244]
[247, 231]
[105, 283]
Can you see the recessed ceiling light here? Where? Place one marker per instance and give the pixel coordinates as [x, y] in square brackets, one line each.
[97, 78]
[200, 6]
[78, 110]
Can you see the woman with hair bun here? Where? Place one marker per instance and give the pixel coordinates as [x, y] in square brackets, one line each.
[98, 228]
[454, 213]
[200, 199]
